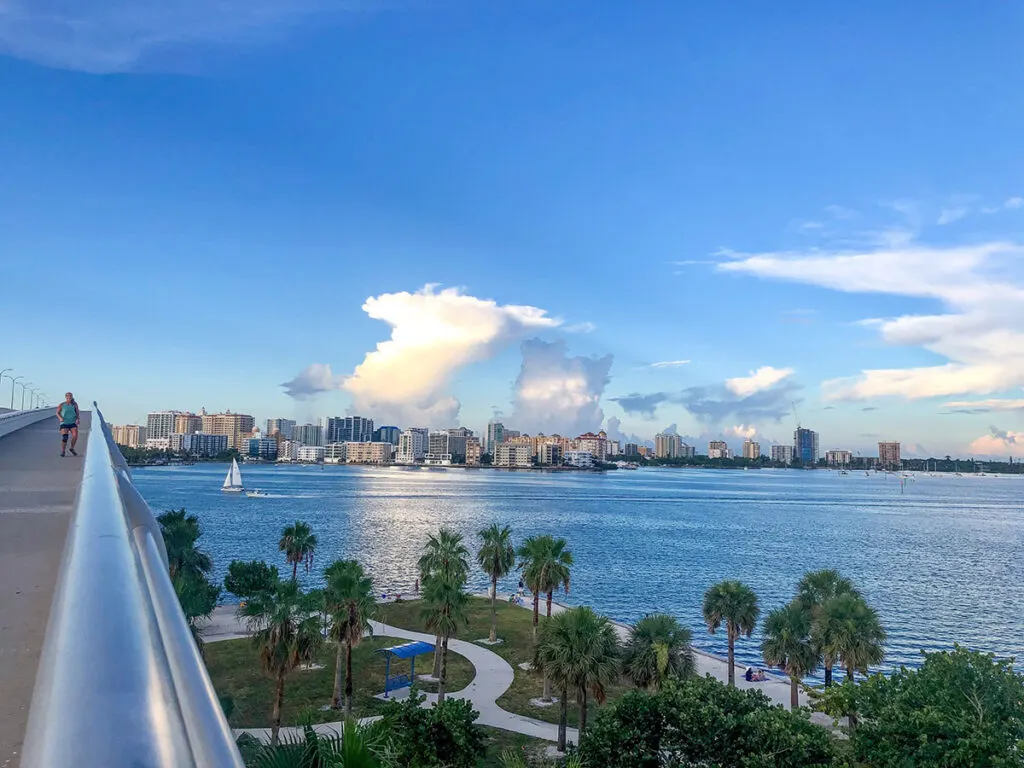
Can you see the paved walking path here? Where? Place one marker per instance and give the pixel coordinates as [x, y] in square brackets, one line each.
[493, 677]
[37, 493]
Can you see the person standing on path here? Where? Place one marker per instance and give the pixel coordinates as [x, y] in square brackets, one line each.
[68, 417]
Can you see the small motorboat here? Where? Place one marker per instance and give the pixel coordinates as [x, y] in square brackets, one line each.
[256, 493]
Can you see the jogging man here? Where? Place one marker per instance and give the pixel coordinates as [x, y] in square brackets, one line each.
[68, 417]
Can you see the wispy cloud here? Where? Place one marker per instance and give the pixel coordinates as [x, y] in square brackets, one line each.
[116, 35]
[980, 285]
[998, 442]
[840, 212]
[949, 215]
[668, 364]
[764, 377]
[984, 406]
[584, 327]
[1014, 203]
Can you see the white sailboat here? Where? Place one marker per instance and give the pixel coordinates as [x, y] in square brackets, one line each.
[233, 481]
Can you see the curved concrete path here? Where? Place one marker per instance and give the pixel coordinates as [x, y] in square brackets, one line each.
[493, 677]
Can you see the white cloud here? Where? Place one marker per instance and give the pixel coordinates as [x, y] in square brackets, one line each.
[747, 432]
[433, 334]
[584, 327]
[998, 443]
[669, 364]
[979, 285]
[986, 405]
[763, 378]
[949, 215]
[316, 378]
[1013, 203]
[558, 393]
[839, 212]
[114, 35]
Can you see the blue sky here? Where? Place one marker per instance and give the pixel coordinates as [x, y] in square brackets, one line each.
[810, 205]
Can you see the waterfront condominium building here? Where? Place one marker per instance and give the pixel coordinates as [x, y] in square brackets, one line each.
[282, 427]
[631, 449]
[473, 451]
[310, 453]
[437, 449]
[889, 455]
[667, 446]
[188, 423]
[512, 455]
[288, 450]
[197, 443]
[335, 453]
[237, 426]
[260, 448]
[751, 450]
[718, 449]
[838, 458]
[495, 435]
[348, 429]
[596, 445]
[158, 444]
[368, 453]
[387, 435]
[612, 448]
[783, 454]
[805, 445]
[129, 435]
[580, 459]
[550, 455]
[160, 424]
[412, 446]
[457, 437]
[308, 434]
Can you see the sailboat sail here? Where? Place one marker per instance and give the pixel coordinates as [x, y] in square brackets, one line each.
[234, 476]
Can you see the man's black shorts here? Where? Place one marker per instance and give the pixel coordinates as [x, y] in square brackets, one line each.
[68, 426]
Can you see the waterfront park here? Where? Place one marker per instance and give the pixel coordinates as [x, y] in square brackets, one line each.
[345, 675]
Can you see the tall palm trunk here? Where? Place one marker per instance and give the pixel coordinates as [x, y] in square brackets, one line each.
[563, 718]
[583, 713]
[852, 715]
[336, 694]
[849, 672]
[731, 632]
[794, 693]
[348, 679]
[436, 671]
[536, 615]
[444, 670]
[295, 571]
[494, 609]
[275, 718]
[828, 670]
[546, 696]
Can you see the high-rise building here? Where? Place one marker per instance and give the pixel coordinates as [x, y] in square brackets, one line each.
[457, 437]
[160, 424]
[783, 454]
[631, 449]
[510, 433]
[237, 426]
[129, 435]
[612, 448]
[260, 448]
[889, 455]
[550, 455]
[282, 427]
[838, 458]
[348, 429]
[718, 449]
[158, 444]
[308, 434]
[288, 450]
[580, 459]
[187, 423]
[495, 435]
[805, 445]
[368, 453]
[387, 435]
[412, 446]
[667, 446]
[473, 451]
[197, 443]
[751, 450]
[437, 448]
[596, 445]
[512, 455]
[310, 453]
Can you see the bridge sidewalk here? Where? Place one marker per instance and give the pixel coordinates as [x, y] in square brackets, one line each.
[37, 493]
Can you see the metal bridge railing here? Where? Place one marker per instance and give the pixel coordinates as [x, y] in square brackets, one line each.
[120, 680]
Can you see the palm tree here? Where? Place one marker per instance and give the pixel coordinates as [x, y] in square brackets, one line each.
[578, 649]
[348, 598]
[545, 564]
[298, 542]
[787, 644]
[496, 557]
[180, 532]
[658, 648]
[446, 556]
[734, 604]
[286, 632]
[815, 589]
[850, 631]
[444, 610]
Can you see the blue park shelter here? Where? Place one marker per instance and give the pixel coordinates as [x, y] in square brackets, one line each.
[405, 651]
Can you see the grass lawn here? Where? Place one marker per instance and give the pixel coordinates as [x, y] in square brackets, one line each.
[515, 626]
[235, 671]
[498, 741]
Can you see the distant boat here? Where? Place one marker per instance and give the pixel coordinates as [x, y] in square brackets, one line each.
[256, 493]
[233, 481]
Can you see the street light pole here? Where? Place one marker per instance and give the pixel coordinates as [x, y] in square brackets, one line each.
[14, 381]
[32, 398]
[23, 387]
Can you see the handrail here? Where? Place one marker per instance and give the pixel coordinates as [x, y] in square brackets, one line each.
[120, 680]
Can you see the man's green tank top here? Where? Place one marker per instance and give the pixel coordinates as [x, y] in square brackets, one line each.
[67, 413]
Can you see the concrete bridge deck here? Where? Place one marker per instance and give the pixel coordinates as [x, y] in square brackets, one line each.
[37, 493]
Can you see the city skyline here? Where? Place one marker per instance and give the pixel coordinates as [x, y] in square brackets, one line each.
[574, 216]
